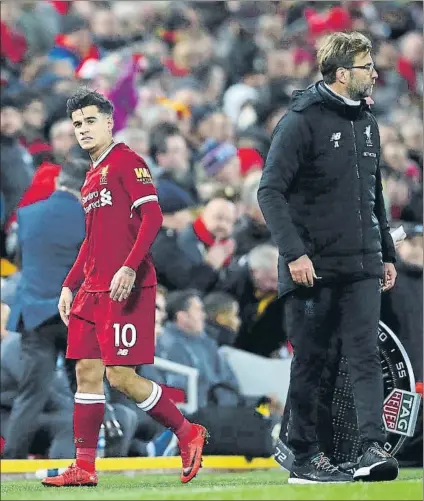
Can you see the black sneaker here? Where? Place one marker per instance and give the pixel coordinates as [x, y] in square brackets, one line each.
[348, 467]
[316, 470]
[376, 465]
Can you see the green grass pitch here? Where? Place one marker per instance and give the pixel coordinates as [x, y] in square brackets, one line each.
[245, 485]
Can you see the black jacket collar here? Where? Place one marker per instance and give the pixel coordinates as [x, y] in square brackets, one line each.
[319, 93]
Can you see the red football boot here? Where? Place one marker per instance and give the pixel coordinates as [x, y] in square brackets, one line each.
[191, 449]
[72, 477]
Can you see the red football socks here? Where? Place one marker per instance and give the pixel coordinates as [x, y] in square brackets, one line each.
[88, 416]
[165, 412]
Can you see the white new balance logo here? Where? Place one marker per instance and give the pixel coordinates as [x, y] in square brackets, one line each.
[105, 197]
[122, 351]
[335, 138]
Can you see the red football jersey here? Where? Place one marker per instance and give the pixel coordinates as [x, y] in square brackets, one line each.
[117, 183]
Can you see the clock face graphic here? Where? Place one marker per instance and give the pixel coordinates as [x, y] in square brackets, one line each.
[397, 374]
[337, 428]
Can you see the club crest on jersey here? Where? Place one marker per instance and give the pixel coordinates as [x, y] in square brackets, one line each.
[143, 175]
[103, 175]
[368, 135]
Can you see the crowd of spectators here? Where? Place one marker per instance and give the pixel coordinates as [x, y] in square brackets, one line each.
[198, 88]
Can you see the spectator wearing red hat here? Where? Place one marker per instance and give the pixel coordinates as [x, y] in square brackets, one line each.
[250, 160]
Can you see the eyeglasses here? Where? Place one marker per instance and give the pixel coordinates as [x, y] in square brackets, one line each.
[368, 67]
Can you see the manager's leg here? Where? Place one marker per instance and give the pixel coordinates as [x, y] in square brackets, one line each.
[359, 317]
[308, 314]
[325, 431]
[360, 313]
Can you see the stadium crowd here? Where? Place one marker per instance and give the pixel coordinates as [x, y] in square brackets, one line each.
[198, 88]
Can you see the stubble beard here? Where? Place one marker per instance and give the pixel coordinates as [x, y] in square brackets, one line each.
[357, 93]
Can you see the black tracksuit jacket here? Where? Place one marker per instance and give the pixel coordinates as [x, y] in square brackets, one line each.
[321, 191]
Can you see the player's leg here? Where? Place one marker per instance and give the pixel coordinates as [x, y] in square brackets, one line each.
[309, 316]
[360, 314]
[89, 403]
[149, 397]
[127, 339]
[89, 410]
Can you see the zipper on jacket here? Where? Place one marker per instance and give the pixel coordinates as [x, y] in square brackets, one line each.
[359, 183]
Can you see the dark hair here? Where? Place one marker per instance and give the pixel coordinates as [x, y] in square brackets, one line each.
[159, 136]
[218, 302]
[9, 101]
[29, 96]
[86, 97]
[72, 174]
[179, 301]
[339, 51]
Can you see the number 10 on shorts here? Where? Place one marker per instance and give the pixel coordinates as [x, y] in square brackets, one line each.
[125, 335]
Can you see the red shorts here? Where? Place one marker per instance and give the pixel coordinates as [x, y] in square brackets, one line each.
[118, 333]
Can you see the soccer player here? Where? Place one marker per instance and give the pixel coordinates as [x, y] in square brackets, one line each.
[111, 320]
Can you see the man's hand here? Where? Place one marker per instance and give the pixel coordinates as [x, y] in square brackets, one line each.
[390, 275]
[64, 304]
[122, 283]
[302, 271]
[219, 252]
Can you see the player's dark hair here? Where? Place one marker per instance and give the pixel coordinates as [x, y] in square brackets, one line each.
[159, 136]
[179, 301]
[72, 174]
[86, 97]
[216, 303]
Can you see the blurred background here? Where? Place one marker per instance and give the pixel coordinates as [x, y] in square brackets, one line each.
[198, 88]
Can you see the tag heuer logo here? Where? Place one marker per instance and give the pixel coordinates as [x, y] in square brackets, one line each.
[400, 411]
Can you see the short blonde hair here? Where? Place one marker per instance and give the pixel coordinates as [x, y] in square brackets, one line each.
[339, 50]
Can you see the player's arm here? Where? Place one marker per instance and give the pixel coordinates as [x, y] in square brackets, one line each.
[137, 182]
[151, 221]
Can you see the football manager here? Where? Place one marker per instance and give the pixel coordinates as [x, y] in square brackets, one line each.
[321, 196]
